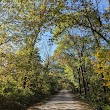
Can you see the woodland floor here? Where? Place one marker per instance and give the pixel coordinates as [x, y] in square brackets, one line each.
[62, 101]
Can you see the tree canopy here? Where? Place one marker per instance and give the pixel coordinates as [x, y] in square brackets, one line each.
[80, 63]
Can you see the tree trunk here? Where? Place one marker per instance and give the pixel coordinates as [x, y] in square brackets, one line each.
[79, 78]
[84, 82]
[104, 90]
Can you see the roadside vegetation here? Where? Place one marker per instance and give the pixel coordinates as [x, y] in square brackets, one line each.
[81, 61]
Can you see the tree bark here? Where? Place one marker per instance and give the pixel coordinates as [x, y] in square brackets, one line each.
[84, 82]
[79, 78]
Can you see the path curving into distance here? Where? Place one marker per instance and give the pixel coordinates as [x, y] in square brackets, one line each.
[62, 101]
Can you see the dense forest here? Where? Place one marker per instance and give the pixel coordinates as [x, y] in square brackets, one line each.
[80, 63]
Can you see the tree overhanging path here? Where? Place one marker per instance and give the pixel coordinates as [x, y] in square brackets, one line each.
[62, 101]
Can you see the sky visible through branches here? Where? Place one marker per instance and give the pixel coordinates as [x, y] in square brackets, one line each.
[44, 44]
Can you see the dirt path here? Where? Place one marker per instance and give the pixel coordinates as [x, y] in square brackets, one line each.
[63, 101]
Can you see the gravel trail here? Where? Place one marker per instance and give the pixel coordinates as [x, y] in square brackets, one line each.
[62, 101]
